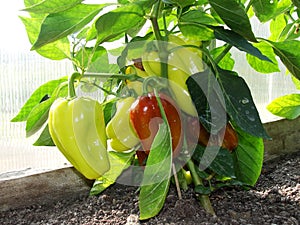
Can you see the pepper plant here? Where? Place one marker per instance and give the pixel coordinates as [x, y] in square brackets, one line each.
[172, 109]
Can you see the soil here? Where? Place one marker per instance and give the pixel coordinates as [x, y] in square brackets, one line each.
[275, 199]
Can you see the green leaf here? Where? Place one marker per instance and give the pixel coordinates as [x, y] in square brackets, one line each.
[296, 3]
[290, 58]
[202, 190]
[59, 25]
[204, 88]
[156, 181]
[36, 97]
[227, 62]
[264, 9]
[287, 106]
[118, 163]
[93, 60]
[239, 42]
[196, 31]
[57, 50]
[179, 3]
[283, 6]
[217, 159]
[248, 158]
[193, 25]
[291, 31]
[52, 6]
[296, 82]
[239, 103]
[44, 139]
[118, 21]
[234, 16]
[38, 116]
[198, 17]
[263, 66]
[277, 26]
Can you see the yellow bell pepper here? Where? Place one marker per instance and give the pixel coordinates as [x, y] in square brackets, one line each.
[77, 128]
[119, 130]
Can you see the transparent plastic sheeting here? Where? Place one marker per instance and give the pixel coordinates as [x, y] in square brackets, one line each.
[22, 71]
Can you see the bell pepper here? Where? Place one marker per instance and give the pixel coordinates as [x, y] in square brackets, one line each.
[145, 118]
[182, 62]
[230, 139]
[119, 129]
[137, 86]
[226, 137]
[77, 128]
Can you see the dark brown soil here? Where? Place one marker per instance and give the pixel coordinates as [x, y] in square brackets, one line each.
[274, 200]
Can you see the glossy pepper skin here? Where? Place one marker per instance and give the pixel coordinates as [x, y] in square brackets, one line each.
[145, 118]
[119, 130]
[77, 128]
[182, 62]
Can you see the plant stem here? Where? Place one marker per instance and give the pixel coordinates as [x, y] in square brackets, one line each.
[111, 75]
[204, 199]
[223, 53]
[161, 44]
[71, 88]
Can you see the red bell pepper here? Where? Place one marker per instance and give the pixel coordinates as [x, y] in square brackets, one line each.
[145, 118]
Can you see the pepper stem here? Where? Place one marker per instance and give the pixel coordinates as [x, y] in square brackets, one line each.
[71, 88]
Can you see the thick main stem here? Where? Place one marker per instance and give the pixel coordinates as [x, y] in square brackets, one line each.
[204, 199]
[161, 44]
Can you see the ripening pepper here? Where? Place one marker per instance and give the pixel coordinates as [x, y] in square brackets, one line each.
[182, 62]
[145, 118]
[226, 137]
[119, 130]
[77, 128]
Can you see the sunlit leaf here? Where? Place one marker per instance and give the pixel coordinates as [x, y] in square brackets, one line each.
[52, 6]
[118, 163]
[264, 9]
[287, 106]
[59, 25]
[38, 116]
[57, 50]
[290, 58]
[277, 26]
[234, 17]
[248, 158]
[227, 62]
[263, 66]
[118, 21]
[156, 181]
[46, 89]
